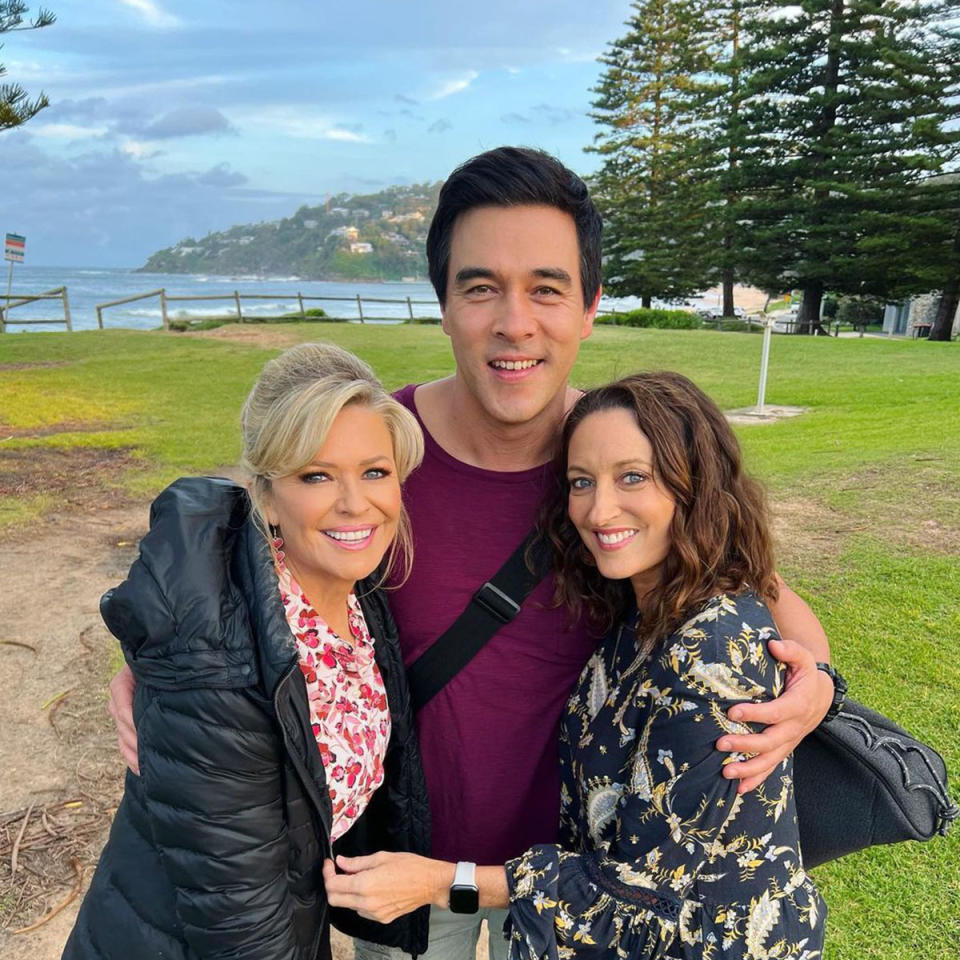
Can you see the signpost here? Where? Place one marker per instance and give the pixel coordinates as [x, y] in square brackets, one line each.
[13, 248]
[764, 364]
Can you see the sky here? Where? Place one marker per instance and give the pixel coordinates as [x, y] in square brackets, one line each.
[174, 118]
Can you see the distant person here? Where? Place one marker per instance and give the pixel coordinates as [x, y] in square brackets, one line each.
[659, 536]
[271, 702]
[514, 257]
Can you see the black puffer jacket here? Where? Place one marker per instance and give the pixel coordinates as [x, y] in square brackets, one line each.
[217, 848]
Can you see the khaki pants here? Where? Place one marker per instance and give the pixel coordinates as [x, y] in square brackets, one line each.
[453, 936]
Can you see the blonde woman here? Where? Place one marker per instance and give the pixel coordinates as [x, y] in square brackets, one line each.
[271, 704]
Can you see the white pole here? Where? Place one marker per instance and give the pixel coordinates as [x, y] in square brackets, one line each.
[764, 364]
[5, 315]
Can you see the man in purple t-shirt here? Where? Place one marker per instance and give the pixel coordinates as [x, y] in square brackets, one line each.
[514, 256]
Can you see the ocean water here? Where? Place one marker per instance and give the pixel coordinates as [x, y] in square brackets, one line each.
[88, 286]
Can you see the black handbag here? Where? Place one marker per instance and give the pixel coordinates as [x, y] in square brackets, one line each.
[860, 781]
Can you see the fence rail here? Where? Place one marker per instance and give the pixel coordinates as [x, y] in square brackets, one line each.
[237, 298]
[20, 299]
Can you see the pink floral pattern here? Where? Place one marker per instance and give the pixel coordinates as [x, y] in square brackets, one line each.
[347, 698]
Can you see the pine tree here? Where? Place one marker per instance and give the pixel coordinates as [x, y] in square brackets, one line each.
[647, 189]
[846, 112]
[16, 107]
[718, 107]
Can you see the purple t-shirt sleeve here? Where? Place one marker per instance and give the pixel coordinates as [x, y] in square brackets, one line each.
[489, 738]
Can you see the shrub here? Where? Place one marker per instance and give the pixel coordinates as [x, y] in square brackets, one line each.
[659, 318]
[859, 310]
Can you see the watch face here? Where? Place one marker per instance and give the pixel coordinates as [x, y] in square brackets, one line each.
[464, 899]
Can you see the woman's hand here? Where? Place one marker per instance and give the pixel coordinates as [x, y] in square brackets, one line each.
[385, 886]
[799, 709]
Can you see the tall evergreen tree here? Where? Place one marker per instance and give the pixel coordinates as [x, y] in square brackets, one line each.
[718, 108]
[16, 107]
[847, 110]
[647, 189]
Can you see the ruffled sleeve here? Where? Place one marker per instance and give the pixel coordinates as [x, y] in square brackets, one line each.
[645, 840]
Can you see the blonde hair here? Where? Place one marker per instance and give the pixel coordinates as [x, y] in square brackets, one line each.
[288, 414]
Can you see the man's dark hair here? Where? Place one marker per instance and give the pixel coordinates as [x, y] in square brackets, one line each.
[510, 177]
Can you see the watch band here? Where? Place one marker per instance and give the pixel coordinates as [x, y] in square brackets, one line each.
[839, 691]
[464, 895]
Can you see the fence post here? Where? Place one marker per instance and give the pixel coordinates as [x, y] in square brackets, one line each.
[410, 309]
[3, 322]
[66, 309]
[236, 297]
[163, 309]
[360, 308]
[303, 313]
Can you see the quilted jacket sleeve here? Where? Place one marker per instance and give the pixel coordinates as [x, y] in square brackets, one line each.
[211, 770]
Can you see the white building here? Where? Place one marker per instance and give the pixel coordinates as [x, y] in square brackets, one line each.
[903, 318]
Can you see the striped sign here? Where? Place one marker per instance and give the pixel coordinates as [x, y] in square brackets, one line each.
[13, 247]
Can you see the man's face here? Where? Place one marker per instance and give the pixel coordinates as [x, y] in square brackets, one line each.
[514, 311]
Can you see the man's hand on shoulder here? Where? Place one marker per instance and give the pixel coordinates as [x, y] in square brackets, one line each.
[120, 707]
[789, 718]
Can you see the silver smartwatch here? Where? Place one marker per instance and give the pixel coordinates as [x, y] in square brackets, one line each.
[464, 894]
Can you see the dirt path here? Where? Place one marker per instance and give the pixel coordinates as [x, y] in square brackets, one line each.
[60, 768]
[57, 751]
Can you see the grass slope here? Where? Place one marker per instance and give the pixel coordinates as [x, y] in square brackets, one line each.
[865, 484]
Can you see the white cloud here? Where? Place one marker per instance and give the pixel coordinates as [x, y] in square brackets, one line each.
[69, 131]
[137, 149]
[153, 13]
[578, 56]
[298, 123]
[456, 85]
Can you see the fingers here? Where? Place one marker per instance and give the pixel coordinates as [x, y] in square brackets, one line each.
[766, 712]
[754, 744]
[761, 765]
[358, 864]
[349, 890]
[127, 745]
[750, 783]
[120, 707]
[792, 654]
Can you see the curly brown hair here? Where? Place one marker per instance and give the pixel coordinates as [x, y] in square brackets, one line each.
[720, 536]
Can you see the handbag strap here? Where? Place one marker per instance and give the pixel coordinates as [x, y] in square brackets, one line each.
[495, 604]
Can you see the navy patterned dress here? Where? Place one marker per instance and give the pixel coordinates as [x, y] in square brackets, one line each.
[659, 856]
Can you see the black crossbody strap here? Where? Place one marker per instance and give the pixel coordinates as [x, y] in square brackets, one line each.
[496, 603]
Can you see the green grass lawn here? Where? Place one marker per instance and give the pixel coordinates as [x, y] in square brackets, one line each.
[866, 484]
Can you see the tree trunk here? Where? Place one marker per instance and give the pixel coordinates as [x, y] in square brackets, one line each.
[645, 301]
[808, 319]
[733, 159]
[942, 328]
[727, 275]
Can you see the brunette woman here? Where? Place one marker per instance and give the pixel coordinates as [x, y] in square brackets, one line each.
[661, 536]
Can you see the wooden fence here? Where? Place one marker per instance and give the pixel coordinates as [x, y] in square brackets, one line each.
[18, 300]
[236, 298]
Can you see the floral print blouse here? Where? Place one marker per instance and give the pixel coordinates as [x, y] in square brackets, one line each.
[659, 855]
[347, 698]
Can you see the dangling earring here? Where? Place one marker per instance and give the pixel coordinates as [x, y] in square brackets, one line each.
[276, 541]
